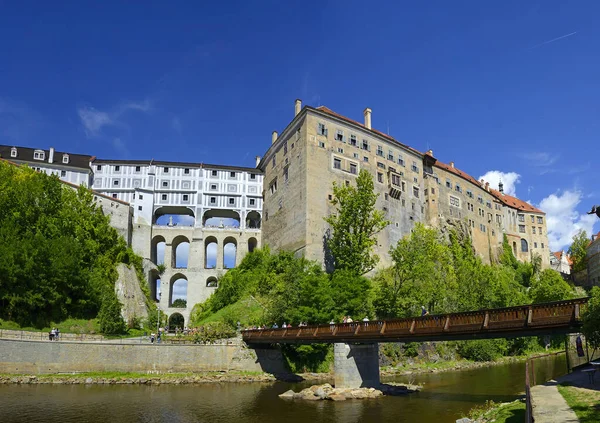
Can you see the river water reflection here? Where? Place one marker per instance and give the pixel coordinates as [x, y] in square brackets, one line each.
[445, 397]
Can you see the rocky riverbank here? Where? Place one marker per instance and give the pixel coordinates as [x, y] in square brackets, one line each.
[328, 392]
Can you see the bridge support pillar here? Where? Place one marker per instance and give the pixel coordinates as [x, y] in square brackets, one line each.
[356, 365]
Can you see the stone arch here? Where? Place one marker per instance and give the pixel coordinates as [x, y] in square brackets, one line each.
[212, 282]
[154, 282]
[252, 244]
[157, 253]
[176, 320]
[253, 220]
[221, 218]
[180, 251]
[524, 246]
[211, 247]
[174, 216]
[178, 288]
[229, 252]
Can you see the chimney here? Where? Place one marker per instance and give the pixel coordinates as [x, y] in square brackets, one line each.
[367, 113]
[274, 137]
[430, 152]
[487, 186]
[481, 181]
[501, 187]
[452, 165]
[298, 107]
[51, 155]
[257, 158]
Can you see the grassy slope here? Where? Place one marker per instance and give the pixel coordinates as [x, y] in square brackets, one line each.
[68, 326]
[584, 402]
[513, 412]
[247, 311]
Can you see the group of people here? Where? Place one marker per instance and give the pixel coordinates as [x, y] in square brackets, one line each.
[54, 334]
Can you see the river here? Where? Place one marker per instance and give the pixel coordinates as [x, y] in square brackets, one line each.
[445, 397]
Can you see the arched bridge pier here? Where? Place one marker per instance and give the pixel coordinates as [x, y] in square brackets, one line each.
[356, 358]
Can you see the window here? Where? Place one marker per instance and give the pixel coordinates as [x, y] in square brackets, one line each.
[415, 180]
[164, 197]
[214, 173]
[140, 208]
[380, 151]
[353, 168]
[337, 164]
[186, 171]
[286, 174]
[390, 155]
[213, 200]
[454, 201]
[432, 191]
[231, 201]
[392, 169]
[253, 176]
[116, 182]
[213, 186]
[340, 150]
[482, 227]
[321, 144]
[414, 167]
[99, 168]
[63, 173]
[365, 159]
[532, 219]
[339, 135]
[489, 204]
[457, 188]
[480, 199]
[542, 245]
[273, 186]
[165, 184]
[403, 202]
[365, 145]
[522, 229]
[166, 170]
[232, 174]
[535, 245]
[400, 161]
[285, 148]
[39, 155]
[65, 158]
[380, 177]
[252, 202]
[117, 168]
[403, 186]
[470, 193]
[524, 246]
[141, 196]
[380, 165]
[540, 220]
[416, 192]
[186, 197]
[396, 180]
[533, 230]
[138, 168]
[448, 184]
[353, 140]
[355, 155]
[521, 218]
[540, 230]
[386, 197]
[321, 129]
[114, 195]
[13, 152]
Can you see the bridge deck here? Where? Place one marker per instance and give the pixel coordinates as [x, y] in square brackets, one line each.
[528, 320]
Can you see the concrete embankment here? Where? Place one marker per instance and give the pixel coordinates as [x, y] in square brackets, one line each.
[43, 357]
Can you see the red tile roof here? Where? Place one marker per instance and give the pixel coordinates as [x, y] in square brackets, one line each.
[327, 110]
[558, 255]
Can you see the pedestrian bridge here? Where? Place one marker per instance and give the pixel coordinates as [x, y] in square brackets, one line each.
[528, 320]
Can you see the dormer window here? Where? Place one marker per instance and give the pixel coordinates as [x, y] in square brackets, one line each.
[13, 152]
[39, 155]
[65, 158]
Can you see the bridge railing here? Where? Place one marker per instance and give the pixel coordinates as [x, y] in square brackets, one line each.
[547, 315]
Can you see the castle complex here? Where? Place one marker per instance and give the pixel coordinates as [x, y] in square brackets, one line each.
[194, 221]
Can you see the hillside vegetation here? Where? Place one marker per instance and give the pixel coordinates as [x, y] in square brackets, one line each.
[58, 253]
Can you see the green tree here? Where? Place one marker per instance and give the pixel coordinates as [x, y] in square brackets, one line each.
[578, 250]
[179, 303]
[111, 321]
[550, 286]
[355, 224]
[591, 319]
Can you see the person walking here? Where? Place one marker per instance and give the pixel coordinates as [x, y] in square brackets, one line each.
[424, 311]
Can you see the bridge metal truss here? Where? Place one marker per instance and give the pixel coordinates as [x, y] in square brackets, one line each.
[529, 320]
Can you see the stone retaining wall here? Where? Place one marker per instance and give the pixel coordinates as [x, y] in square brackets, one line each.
[38, 357]
[43, 336]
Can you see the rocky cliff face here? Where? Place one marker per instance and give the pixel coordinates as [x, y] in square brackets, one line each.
[130, 294]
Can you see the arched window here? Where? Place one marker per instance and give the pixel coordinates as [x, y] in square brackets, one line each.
[211, 282]
[158, 250]
[210, 252]
[524, 246]
[252, 243]
[229, 253]
[178, 288]
[180, 248]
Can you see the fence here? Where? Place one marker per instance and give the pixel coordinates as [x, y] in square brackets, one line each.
[531, 380]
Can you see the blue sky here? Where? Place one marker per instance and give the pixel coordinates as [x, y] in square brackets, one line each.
[510, 87]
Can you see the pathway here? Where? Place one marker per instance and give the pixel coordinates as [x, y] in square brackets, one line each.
[549, 406]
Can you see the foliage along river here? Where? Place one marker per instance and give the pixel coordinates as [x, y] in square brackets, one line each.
[445, 397]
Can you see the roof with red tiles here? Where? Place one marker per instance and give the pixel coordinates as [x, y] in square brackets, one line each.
[559, 254]
[327, 110]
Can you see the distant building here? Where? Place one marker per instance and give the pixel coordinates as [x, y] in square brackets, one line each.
[561, 262]
[72, 168]
[593, 261]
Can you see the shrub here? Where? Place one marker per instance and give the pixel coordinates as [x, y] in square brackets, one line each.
[411, 349]
[482, 349]
[111, 321]
[308, 358]
[212, 332]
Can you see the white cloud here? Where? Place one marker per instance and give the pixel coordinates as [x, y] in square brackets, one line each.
[93, 120]
[509, 179]
[563, 220]
[540, 159]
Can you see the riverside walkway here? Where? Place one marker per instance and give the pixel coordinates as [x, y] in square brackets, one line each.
[528, 320]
